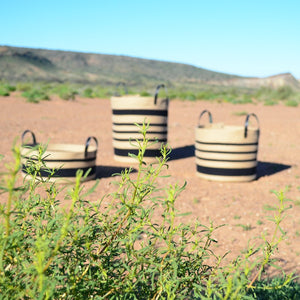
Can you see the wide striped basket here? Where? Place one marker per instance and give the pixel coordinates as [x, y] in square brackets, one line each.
[62, 160]
[226, 153]
[129, 110]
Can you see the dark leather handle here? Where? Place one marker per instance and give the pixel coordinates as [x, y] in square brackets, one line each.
[157, 90]
[32, 135]
[209, 115]
[247, 123]
[87, 143]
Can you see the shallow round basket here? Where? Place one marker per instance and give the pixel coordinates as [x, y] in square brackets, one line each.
[129, 110]
[62, 161]
[226, 153]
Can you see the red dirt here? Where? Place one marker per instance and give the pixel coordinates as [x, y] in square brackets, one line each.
[72, 122]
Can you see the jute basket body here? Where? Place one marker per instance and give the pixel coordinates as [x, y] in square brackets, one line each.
[63, 159]
[226, 153]
[127, 111]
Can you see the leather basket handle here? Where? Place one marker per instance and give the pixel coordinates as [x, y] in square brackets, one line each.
[87, 143]
[203, 113]
[157, 91]
[247, 123]
[32, 135]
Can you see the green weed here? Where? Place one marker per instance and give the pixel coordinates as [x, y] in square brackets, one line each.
[246, 227]
[65, 91]
[236, 217]
[240, 113]
[270, 102]
[259, 222]
[292, 103]
[24, 86]
[6, 89]
[35, 95]
[117, 247]
[88, 93]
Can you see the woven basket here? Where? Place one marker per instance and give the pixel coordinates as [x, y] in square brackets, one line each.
[127, 111]
[63, 159]
[226, 153]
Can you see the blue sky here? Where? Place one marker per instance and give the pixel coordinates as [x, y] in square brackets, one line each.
[248, 38]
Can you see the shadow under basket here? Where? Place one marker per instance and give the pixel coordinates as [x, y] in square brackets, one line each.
[61, 160]
[129, 110]
[226, 153]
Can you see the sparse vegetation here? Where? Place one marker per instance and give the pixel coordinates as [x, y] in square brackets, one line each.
[292, 103]
[34, 92]
[259, 222]
[236, 217]
[246, 227]
[35, 95]
[117, 248]
[88, 93]
[240, 113]
[6, 89]
[65, 91]
[98, 79]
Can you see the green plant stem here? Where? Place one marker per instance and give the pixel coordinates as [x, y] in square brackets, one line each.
[11, 182]
[271, 246]
[136, 186]
[64, 230]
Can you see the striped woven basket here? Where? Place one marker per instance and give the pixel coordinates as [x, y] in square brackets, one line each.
[226, 153]
[64, 160]
[129, 110]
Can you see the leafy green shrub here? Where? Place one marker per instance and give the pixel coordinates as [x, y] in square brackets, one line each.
[10, 88]
[284, 92]
[67, 94]
[292, 103]
[103, 92]
[4, 92]
[145, 94]
[186, 96]
[88, 93]
[276, 289]
[206, 95]
[116, 248]
[190, 96]
[270, 102]
[65, 91]
[23, 87]
[264, 93]
[272, 96]
[5, 89]
[35, 95]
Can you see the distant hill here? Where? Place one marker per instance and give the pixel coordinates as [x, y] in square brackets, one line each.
[28, 64]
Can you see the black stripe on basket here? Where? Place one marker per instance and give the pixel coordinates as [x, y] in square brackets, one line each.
[226, 172]
[61, 160]
[147, 112]
[140, 140]
[226, 160]
[138, 132]
[63, 172]
[140, 124]
[227, 152]
[227, 144]
[148, 152]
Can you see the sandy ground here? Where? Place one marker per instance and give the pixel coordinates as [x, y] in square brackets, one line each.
[239, 205]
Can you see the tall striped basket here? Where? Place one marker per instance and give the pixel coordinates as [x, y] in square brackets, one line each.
[62, 161]
[129, 110]
[226, 153]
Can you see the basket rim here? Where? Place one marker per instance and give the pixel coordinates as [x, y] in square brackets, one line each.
[61, 147]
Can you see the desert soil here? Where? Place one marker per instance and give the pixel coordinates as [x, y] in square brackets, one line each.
[242, 206]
